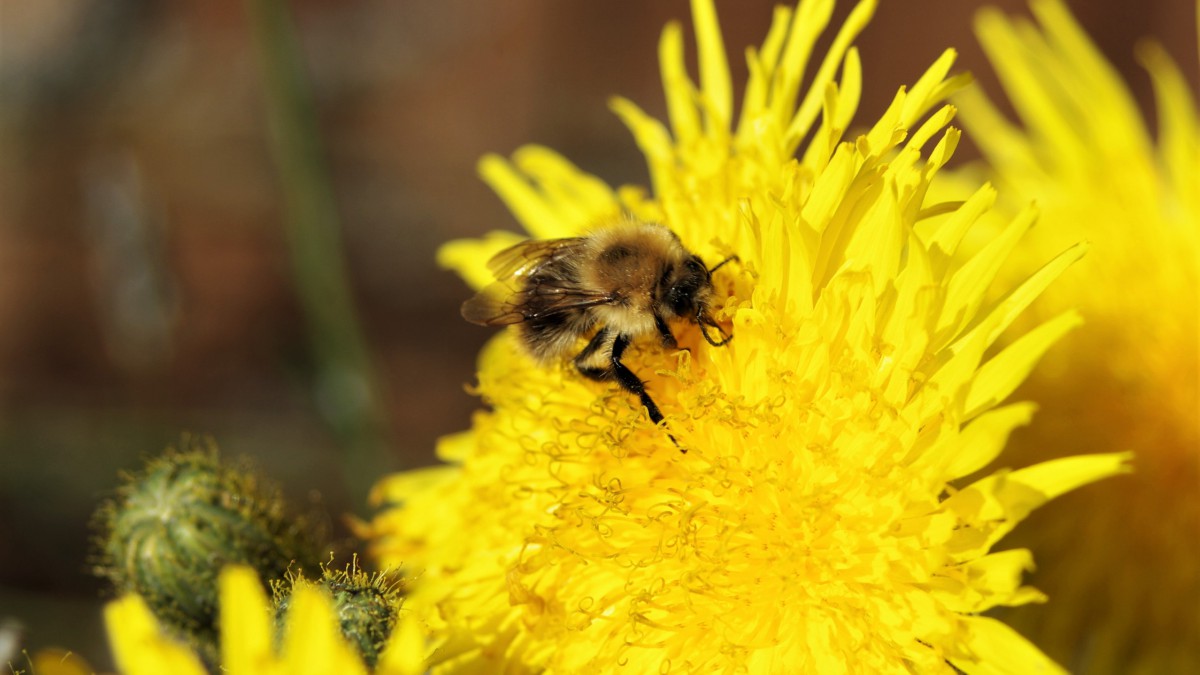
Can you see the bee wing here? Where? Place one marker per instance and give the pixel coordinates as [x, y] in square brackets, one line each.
[525, 258]
[509, 300]
[496, 305]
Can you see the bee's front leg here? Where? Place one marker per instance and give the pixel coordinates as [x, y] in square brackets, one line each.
[664, 331]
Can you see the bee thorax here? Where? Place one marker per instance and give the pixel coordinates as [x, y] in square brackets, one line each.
[633, 320]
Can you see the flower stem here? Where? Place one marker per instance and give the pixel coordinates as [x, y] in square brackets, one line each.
[346, 392]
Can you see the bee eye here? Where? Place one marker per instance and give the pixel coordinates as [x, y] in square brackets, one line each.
[682, 296]
[696, 267]
[688, 280]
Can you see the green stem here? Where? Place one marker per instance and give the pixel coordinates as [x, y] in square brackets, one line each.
[345, 388]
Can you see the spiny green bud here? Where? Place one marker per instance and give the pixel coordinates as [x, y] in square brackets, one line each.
[367, 605]
[172, 527]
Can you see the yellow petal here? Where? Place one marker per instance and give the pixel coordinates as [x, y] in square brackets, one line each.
[579, 200]
[991, 507]
[1010, 307]
[995, 649]
[1059, 476]
[313, 642]
[761, 63]
[1179, 130]
[246, 627]
[877, 242]
[1001, 375]
[714, 66]
[931, 89]
[994, 579]
[651, 136]
[550, 196]
[405, 653]
[1017, 69]
[518, 194]
[678, 87]
[139, 647]
[952, 230]
[967, 287]
[811, 104]
[57, 662]
[398, 487]
[469, 257]
[983, 439]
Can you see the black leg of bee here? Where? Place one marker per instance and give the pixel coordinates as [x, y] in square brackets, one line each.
[614, 369]
[703, 320]
[630, 382]
[581, 359]
[634, 385]
[668, 338]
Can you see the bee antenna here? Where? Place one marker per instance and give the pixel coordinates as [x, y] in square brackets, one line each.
[721, 264]
[702, 320]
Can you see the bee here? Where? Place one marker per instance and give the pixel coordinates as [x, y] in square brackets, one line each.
[617, 284]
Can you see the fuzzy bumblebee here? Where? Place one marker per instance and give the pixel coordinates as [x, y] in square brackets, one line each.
[617, 284]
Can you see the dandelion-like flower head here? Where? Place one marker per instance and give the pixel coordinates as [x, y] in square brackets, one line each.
[813, 525]
[1124, 578]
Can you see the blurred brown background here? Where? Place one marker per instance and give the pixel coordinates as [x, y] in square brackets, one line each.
[145, 287]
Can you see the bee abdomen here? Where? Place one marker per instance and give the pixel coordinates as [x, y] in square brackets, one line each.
[549, 336]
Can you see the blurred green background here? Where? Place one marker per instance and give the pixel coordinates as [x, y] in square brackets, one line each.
[147, 284]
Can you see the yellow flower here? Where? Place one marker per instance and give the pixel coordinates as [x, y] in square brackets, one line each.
[812, 525]
[311, 641]
[1124, 578]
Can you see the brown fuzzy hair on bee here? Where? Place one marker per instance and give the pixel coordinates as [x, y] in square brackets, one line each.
[617, 284]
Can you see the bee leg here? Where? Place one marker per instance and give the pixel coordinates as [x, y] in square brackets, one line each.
[630, 382]
[703, 320]
[668, 338]
[634, 385]
[604, 345]
[590, 363]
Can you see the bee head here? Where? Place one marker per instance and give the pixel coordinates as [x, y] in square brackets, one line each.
[686, 292]
[686, 289]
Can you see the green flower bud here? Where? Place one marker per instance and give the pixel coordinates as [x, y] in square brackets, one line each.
[172, 527]
[367, 605]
